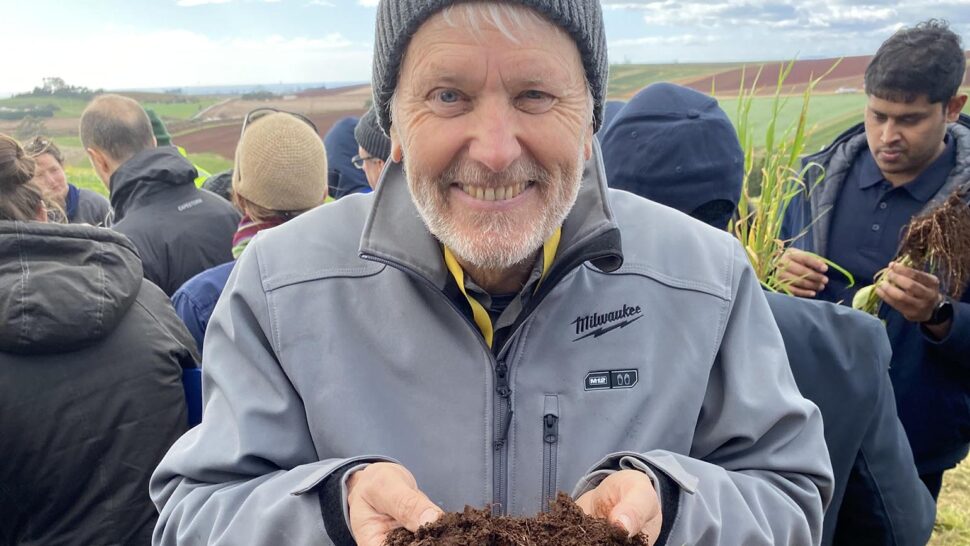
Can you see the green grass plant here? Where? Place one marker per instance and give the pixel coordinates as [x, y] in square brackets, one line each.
[772, 173]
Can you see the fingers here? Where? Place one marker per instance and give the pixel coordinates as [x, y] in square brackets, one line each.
[395, 494]
[632, 513]
[383, 497]
[930, 281]
[803, 272]
[628, 499]
[802, 280]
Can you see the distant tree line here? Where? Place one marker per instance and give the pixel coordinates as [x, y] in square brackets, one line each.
[57, 87]
[31, 111]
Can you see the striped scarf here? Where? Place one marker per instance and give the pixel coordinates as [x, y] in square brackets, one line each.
[248, 228]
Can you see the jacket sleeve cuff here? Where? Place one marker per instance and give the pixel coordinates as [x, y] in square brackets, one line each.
[957, 342]
[668, 488]
[333, 492]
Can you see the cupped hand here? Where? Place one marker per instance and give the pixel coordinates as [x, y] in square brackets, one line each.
[383, 497]
[626, 498]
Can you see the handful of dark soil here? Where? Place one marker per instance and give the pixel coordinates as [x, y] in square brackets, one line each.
[565, 525]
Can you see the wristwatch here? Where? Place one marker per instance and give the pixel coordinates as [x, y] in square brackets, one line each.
[941, 313]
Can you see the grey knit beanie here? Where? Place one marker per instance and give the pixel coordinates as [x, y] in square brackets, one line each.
[398, 20]
[370, 137]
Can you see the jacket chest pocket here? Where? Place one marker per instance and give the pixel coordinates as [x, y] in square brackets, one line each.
[550, 449]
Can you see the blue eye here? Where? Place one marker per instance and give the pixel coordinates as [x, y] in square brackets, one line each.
[448, 96]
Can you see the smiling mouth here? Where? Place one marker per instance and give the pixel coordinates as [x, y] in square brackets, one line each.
[500, 193]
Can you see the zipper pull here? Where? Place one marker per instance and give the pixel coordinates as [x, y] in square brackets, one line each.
[503, 389]
[551, 429]
[502, 380]
[505, 428]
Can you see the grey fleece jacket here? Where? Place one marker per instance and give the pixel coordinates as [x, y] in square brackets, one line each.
[664, 356]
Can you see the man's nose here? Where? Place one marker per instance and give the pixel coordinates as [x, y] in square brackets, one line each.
[495, 138]
[890, 132]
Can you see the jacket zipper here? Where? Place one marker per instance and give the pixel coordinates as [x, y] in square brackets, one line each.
[503, 421]
[501, 398]
[550, 450]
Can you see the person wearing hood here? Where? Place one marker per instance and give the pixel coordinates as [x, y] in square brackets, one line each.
[80, 206]
[282, 173]
[91, 359]
[676, 146]
[610, 110]
[344, 177]
[178, 229]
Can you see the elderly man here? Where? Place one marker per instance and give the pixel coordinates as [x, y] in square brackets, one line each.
[473, 332]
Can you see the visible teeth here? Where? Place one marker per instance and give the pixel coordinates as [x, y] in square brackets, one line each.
[494, 194]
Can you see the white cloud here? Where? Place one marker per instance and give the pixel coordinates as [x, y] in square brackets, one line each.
[84, 59]
[323, 3]
[680, 40]
[368, 3]
[191, 3]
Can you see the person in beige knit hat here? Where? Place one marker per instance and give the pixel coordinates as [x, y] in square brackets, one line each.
[280, 172]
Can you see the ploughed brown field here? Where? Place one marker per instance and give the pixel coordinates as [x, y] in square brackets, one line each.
[222, 139]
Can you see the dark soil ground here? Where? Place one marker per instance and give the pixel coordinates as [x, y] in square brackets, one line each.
[565, 525]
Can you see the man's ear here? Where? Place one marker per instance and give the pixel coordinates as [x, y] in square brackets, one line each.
[101, 163]
[98, 159]
[954, 107]
[397, 152]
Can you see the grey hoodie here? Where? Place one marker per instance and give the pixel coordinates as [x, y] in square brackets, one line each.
[662, 357]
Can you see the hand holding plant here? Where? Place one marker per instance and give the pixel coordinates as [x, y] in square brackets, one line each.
[802, 272]
[934, 259]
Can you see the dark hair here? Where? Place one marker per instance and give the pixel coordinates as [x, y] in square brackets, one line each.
[40, 145]
[19, 200]
[927, 59]
[116, 125]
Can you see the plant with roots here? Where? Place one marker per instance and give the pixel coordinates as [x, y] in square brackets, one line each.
[938, 242]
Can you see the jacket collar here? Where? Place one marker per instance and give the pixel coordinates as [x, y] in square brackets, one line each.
[396, 234]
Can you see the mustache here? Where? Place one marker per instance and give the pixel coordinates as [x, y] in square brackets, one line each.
[467, 171]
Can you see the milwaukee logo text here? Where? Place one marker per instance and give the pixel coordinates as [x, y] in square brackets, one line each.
[597, 324]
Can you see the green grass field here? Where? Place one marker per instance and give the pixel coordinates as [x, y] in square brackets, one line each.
[953, 510]
[72, 108]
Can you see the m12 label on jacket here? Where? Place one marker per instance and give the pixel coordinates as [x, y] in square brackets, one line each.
[611, 379]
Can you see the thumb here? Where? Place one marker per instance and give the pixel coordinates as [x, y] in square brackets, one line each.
[631, 514]
[408, 506]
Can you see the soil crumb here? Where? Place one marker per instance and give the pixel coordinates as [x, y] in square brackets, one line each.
[564, 525]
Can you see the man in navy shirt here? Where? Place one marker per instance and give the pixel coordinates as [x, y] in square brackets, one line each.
[912, 151]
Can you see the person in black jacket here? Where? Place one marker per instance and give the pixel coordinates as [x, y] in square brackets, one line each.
[179, 230]
[676, 146]
[91, 358]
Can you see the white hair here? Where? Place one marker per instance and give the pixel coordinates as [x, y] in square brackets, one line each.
[506, 17]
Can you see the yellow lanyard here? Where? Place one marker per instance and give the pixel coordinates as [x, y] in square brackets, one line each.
[479, 314]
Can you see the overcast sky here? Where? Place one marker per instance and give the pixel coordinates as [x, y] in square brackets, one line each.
[171, 43]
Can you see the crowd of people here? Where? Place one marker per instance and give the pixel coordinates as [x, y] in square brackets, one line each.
[492, 286]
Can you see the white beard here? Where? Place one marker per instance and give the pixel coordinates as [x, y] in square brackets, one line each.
[495, 240]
